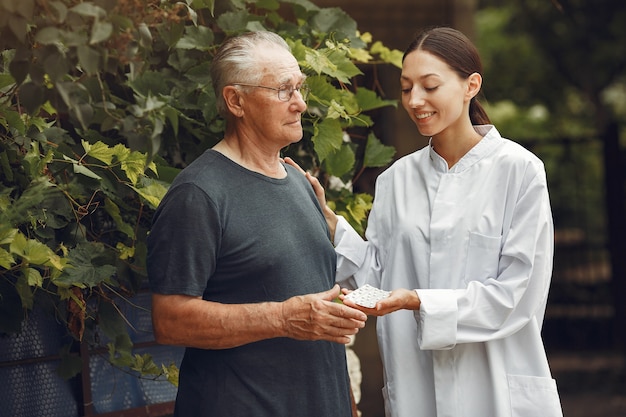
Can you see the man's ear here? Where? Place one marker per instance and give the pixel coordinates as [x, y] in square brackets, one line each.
[233, 100]
[474, 82]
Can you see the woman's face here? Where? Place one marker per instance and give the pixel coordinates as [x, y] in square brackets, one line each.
[433, 95]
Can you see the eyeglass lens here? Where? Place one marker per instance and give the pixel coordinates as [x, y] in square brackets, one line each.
[285, 92]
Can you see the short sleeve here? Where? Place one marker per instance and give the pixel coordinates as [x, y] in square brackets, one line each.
[183, 242]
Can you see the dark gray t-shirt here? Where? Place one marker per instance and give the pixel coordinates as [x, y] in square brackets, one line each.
[232, 235]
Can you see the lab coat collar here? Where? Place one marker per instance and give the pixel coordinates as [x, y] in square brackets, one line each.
[490, 141]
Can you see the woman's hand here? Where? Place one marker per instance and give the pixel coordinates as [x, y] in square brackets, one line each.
[400, 299]
[329, 215]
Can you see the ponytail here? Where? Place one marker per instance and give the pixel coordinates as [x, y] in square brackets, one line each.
[478, 115]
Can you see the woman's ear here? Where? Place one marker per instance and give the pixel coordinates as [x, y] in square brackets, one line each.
[474, 82]
[233, 100]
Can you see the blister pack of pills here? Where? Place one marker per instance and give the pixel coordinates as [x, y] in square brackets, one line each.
[367, 296]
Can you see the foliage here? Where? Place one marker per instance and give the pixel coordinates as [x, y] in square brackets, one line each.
[102, 102]
[557, 60]
[551, 72]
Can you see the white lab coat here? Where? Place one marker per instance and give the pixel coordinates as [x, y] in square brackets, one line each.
[476, 243]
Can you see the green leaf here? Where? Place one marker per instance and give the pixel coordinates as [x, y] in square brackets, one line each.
[393, 57]
[73, 94]
[14, 119]
[89, 266]
[319, 62]
[337, 110]
[197, 37]
[134, 166]
[34, 252]
[170, 34]
[232, 22]
[172, 116]
[267, 4]
[60, 9]
[33, 277]
[81, 169]
[360, 206]
[145, 36]
[114, 211]
[7, 235]
[100, 151]
[100, 32]
[377, 154]
[19, 70]
[360, 55]
[6, 80]
[341, 162]
[25, 292]
[369, 100]
[49, 35]
[56, 66]
[125, 252]
[202, 4]
[354, 207]
[88, 59]
[333, 62]
[151, 83]
[83, 113]
[327, 137]
[152, 191]
[6, 259]
[343, 68]
[31, 96]
[89, 9]
[336, 21]
[171, 372]
[23, 209]
[6, 167]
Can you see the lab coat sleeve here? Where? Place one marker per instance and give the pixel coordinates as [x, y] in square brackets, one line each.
[437, 319]
[499, 306]
[350, 249]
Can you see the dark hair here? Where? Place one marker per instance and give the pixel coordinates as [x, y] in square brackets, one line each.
[456, 50]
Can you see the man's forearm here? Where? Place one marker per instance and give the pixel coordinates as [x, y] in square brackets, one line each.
[194, 322]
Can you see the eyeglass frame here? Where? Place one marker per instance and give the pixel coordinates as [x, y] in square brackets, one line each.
[303, 90]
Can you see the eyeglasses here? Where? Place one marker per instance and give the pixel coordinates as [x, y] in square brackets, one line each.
[285, 91]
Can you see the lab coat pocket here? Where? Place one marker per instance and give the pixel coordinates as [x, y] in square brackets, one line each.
[533, 396]
[483, 254]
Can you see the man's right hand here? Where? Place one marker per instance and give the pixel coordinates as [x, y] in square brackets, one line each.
[319, 317]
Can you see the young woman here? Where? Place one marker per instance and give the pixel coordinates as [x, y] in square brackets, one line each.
[461, 233]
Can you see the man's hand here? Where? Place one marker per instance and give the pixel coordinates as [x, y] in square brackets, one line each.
[318, 317]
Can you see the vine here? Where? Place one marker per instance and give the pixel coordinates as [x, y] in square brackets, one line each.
[103, 103]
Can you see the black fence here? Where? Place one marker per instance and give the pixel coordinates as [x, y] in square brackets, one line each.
[580, 310]
[32, 387]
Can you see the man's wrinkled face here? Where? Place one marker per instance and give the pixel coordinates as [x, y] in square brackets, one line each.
[266, 116]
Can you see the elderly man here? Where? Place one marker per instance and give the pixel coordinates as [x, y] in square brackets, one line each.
[240, 262]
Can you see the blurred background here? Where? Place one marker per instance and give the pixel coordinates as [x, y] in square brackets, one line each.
[554, 81]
